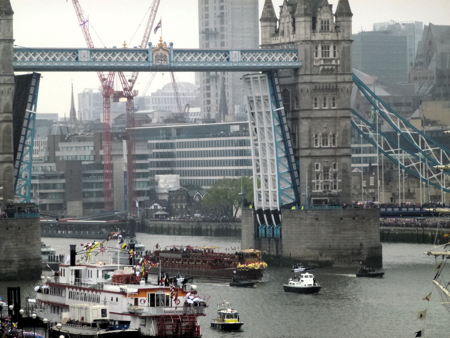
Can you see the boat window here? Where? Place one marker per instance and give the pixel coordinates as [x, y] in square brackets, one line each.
[152, 299]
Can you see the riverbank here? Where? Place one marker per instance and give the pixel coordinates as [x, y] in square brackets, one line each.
[191, 228]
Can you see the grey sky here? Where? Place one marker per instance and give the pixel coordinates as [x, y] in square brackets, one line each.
[52, 23]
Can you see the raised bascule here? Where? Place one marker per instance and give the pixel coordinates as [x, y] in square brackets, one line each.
[298, 91]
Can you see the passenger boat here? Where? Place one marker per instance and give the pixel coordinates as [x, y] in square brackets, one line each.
[365, 271]
[101, 299]
[227, 318]
[304, 283]
[209, 264]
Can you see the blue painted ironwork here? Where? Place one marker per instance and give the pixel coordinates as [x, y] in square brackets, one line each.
[142, 60]
[407, 132]
[288, 173]
[24, 159]
[414, 164]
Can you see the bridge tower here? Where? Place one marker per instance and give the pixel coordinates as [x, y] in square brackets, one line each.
[20, 239]
[316, 100]
[317, 96]
[6, 102]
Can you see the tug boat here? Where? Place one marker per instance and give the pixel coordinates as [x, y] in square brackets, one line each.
[205, 263]
[227, 318]
[304, 283]
[88, 299]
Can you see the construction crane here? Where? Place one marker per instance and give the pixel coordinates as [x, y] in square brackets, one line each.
[107, 83]
[129, 93]
[177, 93]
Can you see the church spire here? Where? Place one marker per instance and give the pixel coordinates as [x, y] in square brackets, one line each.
[268, 12]
[343, 9]
[73, 113]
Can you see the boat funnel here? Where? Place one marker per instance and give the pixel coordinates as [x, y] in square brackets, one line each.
[73, 254]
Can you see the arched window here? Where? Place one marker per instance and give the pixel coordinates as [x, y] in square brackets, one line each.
[315, 102]
[316, 140]
[325, 140]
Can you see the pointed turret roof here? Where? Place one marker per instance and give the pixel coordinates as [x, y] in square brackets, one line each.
[268, 12]
[73, 113]
[343, 9]
[303, 8]
[5, 8]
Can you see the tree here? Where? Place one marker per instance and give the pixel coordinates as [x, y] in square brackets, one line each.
[228, 195]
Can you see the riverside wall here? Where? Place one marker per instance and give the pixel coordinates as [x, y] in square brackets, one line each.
[337, 237]
[191, 228]
[20, 249]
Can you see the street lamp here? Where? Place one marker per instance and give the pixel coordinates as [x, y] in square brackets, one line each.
[34, 324]
[59, 326]
[19, 320]
[45, 321]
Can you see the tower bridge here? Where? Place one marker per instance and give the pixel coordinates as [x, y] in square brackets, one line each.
[298, 101]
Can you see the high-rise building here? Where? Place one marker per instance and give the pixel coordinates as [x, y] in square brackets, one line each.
[230, 24]
[413, 32]
[90, 105]
[382, 54]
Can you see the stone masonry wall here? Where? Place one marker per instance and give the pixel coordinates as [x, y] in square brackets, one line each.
[20, 249]
[338, 237]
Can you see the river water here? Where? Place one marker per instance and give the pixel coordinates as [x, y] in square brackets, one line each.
[345, 307]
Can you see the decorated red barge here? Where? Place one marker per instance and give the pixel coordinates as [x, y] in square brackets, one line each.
[209, 264]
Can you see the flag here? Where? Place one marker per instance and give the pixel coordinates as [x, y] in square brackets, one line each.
[419, 333]
[427, 297]
[158, 26]
[422, 314]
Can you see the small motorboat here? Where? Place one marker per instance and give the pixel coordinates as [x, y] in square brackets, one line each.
[365, 271]
[299, 268]
[304, 283]
[227, 318]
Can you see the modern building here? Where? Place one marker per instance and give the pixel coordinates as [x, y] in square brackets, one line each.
[165, 99]
[412, 30]
[383, 54]
[230, 24]
[90, 105]
[201, 154]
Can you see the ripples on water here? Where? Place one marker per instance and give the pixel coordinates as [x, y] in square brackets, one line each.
[345, 307]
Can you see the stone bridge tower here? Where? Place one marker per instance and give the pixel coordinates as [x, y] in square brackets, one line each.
[20, 233]
[6, 102]
[317, 102]
[316, 97]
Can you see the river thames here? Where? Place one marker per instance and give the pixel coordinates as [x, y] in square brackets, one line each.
[345, 307]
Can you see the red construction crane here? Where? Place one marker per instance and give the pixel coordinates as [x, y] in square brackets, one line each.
[107, 83]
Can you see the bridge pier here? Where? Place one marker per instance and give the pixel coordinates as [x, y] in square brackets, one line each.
[337, 237]
[20, 237]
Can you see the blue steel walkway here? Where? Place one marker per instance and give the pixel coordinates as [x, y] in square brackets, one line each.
[159, 59]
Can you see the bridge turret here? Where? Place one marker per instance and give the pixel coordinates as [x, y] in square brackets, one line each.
[6, 100]
[303, 20]
[268, 22]
[344, 19]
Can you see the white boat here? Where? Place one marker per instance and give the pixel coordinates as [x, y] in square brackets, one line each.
[99, 296]
[227, 318]
[299, 268]
[304, 283]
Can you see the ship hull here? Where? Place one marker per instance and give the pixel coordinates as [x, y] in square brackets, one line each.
[220, 274]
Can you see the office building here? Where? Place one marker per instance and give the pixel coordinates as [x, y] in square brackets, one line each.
[230, 24]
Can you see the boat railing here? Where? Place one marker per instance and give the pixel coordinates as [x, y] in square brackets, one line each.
[160, 311]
